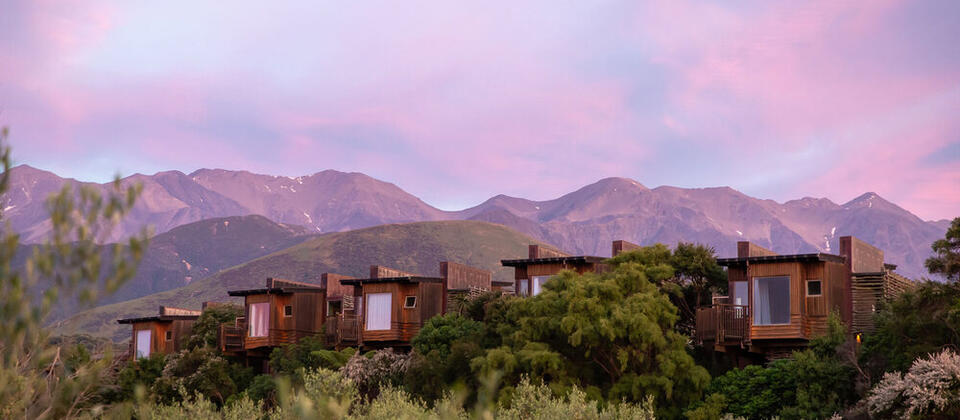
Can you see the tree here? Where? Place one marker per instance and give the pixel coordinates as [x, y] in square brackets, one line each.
[913, 325]
[34, 381]
[207, 327]
[611, 334]
[946, 259]
[930, 390]
[441, 331]
[696, 276]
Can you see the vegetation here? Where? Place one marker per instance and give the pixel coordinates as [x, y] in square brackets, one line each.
[590, 346]
[946, 258]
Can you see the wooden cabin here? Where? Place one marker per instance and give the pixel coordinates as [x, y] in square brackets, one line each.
[391, 305]
[164, 333]
[282, 312]
[778, 303]
[544, 262]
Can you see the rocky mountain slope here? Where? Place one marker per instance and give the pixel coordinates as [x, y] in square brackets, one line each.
[583, 221]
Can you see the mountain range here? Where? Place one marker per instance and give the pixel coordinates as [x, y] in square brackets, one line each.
[583, 221]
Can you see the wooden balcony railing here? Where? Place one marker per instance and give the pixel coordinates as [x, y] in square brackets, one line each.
[231, 336]
[723, 323]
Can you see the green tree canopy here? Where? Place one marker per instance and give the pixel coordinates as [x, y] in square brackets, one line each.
[946, 258]
[610, 333]
[207, 326]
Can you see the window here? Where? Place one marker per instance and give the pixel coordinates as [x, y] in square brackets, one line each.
[143, 343]
[522, 286]
[169, 335]
[771, 300]
[740, 295]
[379, 308]
[538, 282]
[410, 302]
[259, 319]
[288, 310]
[814, 288]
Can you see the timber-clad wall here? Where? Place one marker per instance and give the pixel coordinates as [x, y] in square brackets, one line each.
[379, 271]
[621, 246]
[543, 251]
[862, 257]
[787, 331]
[335, 290]
[307, 318]
[463, 277]
[748, 249]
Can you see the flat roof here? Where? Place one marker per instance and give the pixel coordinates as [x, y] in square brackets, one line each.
[273, 290]
[157, 318]
[578, 259]
[401, 279]
[819, 256]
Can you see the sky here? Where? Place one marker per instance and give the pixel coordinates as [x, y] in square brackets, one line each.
[456, 102]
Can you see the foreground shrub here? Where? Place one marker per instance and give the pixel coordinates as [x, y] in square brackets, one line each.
[930, 389]
[383, 368]
[538, 402]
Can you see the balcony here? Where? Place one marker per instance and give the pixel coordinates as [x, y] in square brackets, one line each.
[723, 324]
[231, 335]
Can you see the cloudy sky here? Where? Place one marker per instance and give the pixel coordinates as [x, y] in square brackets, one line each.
[456, 103]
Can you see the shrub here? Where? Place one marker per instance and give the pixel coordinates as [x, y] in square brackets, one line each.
[200, 371]
[384, 368]
[930, 389]
[205, 330]
[538, 402]
[440, 332]
[140, 372]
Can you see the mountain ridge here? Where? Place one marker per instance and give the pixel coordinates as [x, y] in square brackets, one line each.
[582, 221]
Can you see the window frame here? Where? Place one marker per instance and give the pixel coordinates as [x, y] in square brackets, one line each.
[406, 302]
[807, 288]
[755, 310]
[287, 311]
[168, 335]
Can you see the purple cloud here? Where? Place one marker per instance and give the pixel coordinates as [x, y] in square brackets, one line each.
[456, 103]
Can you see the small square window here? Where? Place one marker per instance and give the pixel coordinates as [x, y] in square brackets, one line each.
[169, 335]
[288, 310]
[410, 302]
[814, 288]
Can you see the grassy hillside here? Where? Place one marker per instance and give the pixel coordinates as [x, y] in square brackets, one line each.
[416, 247]
[190, 252]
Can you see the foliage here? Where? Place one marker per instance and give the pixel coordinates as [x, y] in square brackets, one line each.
[140, 372]
[263, 388]
[915, 324]
[34, 381]
[930, 389]
[201, 371]
[946, 258]
[612, 332]
[814, 383]
[539, 402]
[440, 332]
[206, 328]
[384, 368]
[431, 376]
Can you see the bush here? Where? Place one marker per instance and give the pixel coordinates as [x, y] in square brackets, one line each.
[930, 389]
[207, 327]
[538, 402]
[200, 371]
[263, 389]
[440, 332]
[308, 354]
[384, 368]
[140, 372]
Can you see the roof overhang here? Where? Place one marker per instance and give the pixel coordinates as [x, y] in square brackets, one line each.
[815, 257]
[157, 318]
[404, 279]
[579, 259]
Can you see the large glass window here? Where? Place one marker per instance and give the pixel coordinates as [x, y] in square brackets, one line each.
[522, 286]
[538, 282]
[143, 343]
[379, 309]
[771, 300]
[259, 319]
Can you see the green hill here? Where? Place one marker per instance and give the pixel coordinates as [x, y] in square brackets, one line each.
[415, 247]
